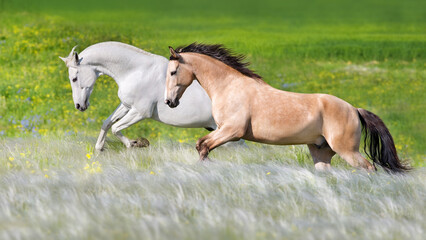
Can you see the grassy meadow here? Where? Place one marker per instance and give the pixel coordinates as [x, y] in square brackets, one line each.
[53, 189]
[52, 185]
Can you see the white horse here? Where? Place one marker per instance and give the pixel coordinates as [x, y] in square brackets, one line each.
[141, 79]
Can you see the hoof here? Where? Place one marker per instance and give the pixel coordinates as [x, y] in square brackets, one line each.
[371, 168]
[206, 159]
[322, 167]
[140, 143]
[99, 147]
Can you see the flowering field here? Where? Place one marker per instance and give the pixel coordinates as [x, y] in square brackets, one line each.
[52, 185]
[366, 57]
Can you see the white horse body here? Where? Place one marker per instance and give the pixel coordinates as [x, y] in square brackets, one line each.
[141, 79]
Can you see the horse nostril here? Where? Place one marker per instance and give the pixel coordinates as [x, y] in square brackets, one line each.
[77, 106]
[167, 101]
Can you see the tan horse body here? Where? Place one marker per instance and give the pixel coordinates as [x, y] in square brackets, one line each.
[244, 106]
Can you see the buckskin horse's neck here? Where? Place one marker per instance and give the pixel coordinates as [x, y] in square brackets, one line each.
[212, 74]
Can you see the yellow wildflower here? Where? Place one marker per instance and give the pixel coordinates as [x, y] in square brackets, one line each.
[11, 159]
[95, 167]
[268, 173]
[22, 154]
[46, 176]
[152, 173]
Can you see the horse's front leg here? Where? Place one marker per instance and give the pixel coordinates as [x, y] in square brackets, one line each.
[132, 117]
[118, 113]
[217, 138]
[200, 147]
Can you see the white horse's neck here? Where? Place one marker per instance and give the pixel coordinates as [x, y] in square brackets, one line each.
[119, 60]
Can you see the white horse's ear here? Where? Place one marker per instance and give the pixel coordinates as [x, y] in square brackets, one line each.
[64, 59]
[74, 56]
[72, 59]
[67, 60]
[72, 51]
[173, 54]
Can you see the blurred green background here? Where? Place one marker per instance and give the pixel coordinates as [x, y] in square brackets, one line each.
[369, 53]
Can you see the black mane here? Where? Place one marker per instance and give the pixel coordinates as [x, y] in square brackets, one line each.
[219, 52]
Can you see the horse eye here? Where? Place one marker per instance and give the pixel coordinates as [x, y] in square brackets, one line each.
[173, 73]
[74, 79]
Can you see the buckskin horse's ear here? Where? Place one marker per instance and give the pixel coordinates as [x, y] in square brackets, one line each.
[173, 54]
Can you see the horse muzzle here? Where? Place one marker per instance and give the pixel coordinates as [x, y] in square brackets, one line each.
[172, 104]
[81, 107]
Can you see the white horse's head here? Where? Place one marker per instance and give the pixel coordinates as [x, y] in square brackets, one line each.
[82, 78]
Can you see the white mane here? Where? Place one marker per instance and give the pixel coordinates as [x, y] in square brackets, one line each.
[115, 59]
[112, 44]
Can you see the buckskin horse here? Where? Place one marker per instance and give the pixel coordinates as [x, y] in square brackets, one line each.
[245, 107]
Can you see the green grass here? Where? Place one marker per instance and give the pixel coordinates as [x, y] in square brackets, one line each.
[50, 188]
[370, 53]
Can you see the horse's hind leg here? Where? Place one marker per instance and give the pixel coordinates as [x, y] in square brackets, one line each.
[355, 159]
[346, 144]
[321, 155]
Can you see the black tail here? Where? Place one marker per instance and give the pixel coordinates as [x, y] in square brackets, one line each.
[379, 142]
